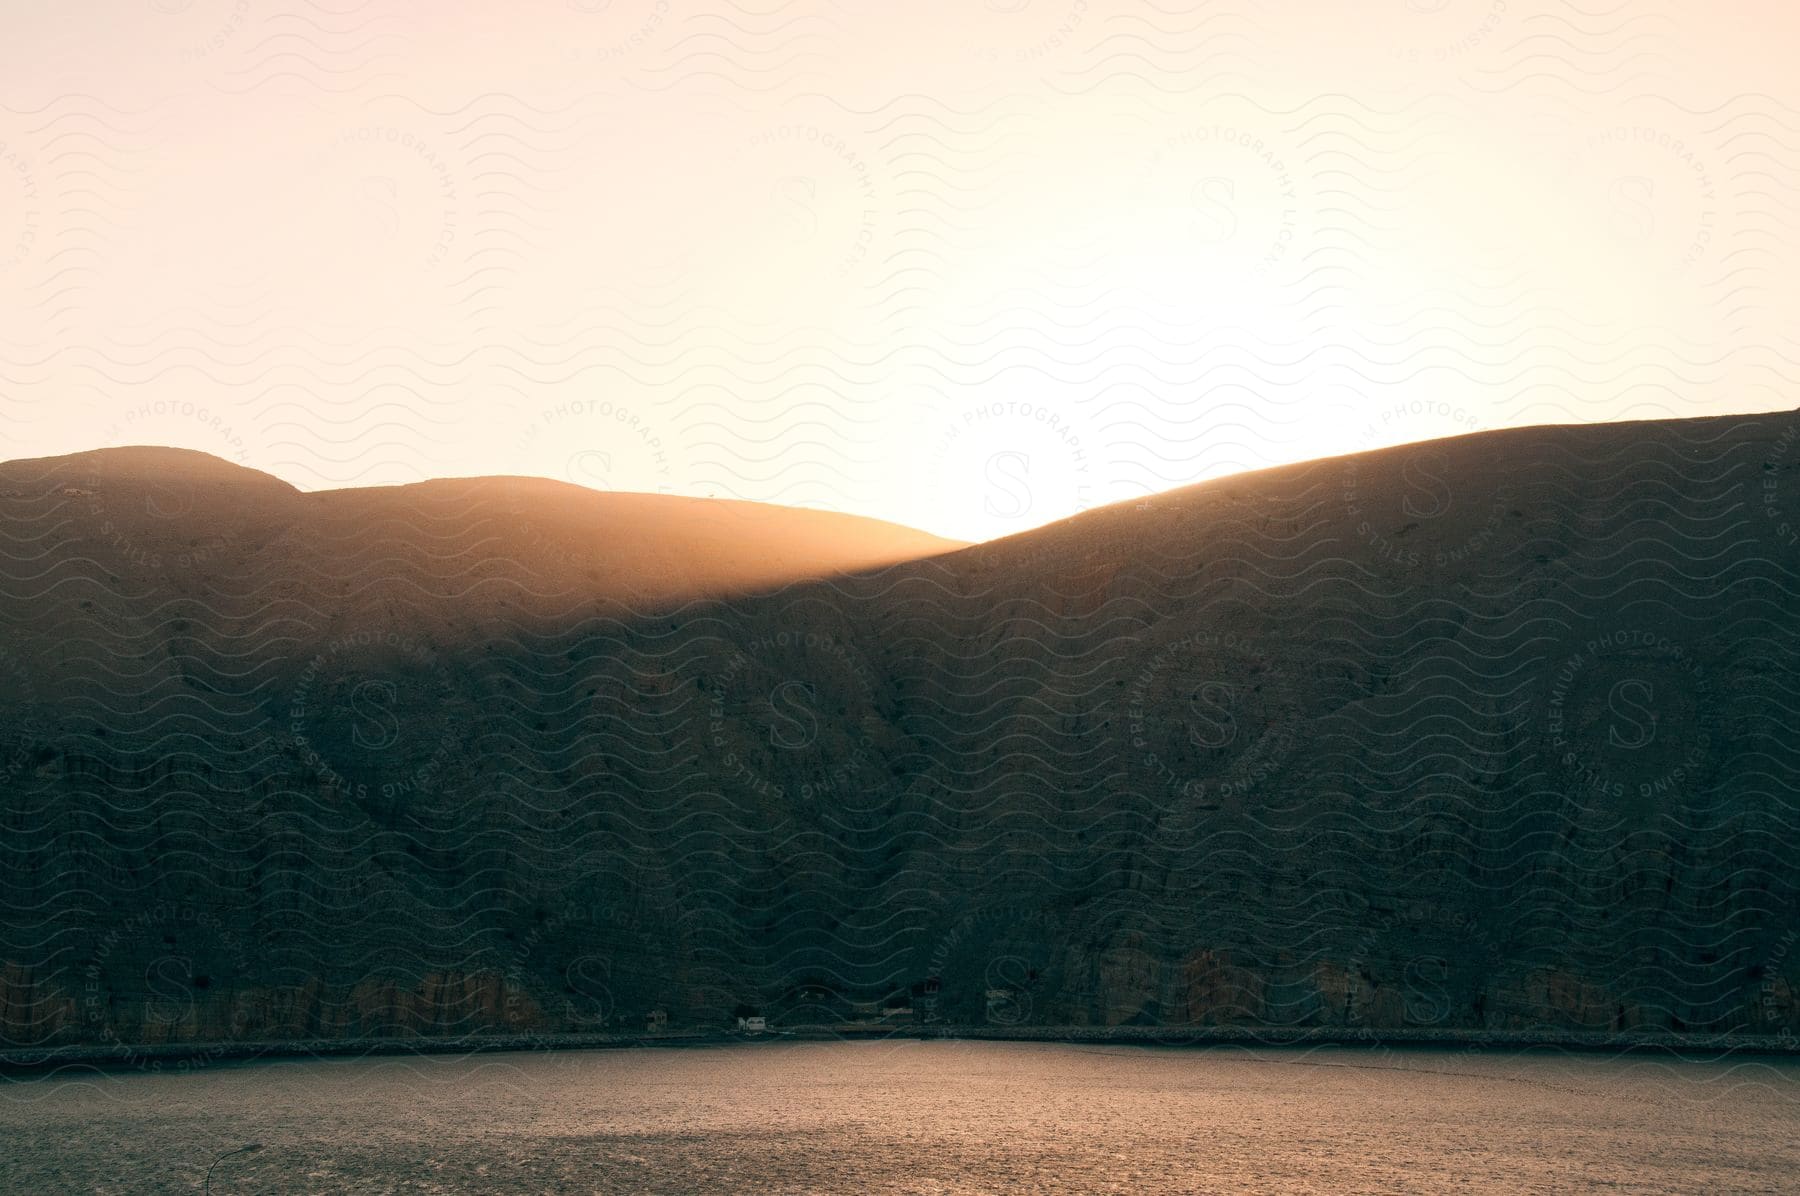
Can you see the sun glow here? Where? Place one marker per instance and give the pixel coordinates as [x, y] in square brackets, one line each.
[973, 281]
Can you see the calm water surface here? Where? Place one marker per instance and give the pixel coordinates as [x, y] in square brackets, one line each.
[917, 1117]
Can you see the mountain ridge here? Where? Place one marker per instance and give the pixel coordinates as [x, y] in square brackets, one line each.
[140, 496]
[1474, 735]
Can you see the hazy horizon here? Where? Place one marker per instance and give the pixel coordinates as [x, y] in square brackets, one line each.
[970, 269]
[601, 488]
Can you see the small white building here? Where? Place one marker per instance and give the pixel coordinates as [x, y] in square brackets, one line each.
[754, 1025]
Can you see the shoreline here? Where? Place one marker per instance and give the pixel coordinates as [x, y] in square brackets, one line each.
[184, 1057]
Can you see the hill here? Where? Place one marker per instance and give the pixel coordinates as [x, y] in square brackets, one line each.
[1491, 733]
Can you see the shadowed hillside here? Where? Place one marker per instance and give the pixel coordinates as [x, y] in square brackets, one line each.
[1487, 733]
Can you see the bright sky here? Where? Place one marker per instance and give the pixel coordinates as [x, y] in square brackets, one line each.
[971, 266]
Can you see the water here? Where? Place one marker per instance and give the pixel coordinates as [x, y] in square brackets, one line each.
[917, 1117]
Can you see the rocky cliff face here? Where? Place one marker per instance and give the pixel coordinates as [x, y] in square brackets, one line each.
[1493, 733]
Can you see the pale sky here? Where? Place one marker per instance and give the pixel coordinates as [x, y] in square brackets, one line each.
[968, 266]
